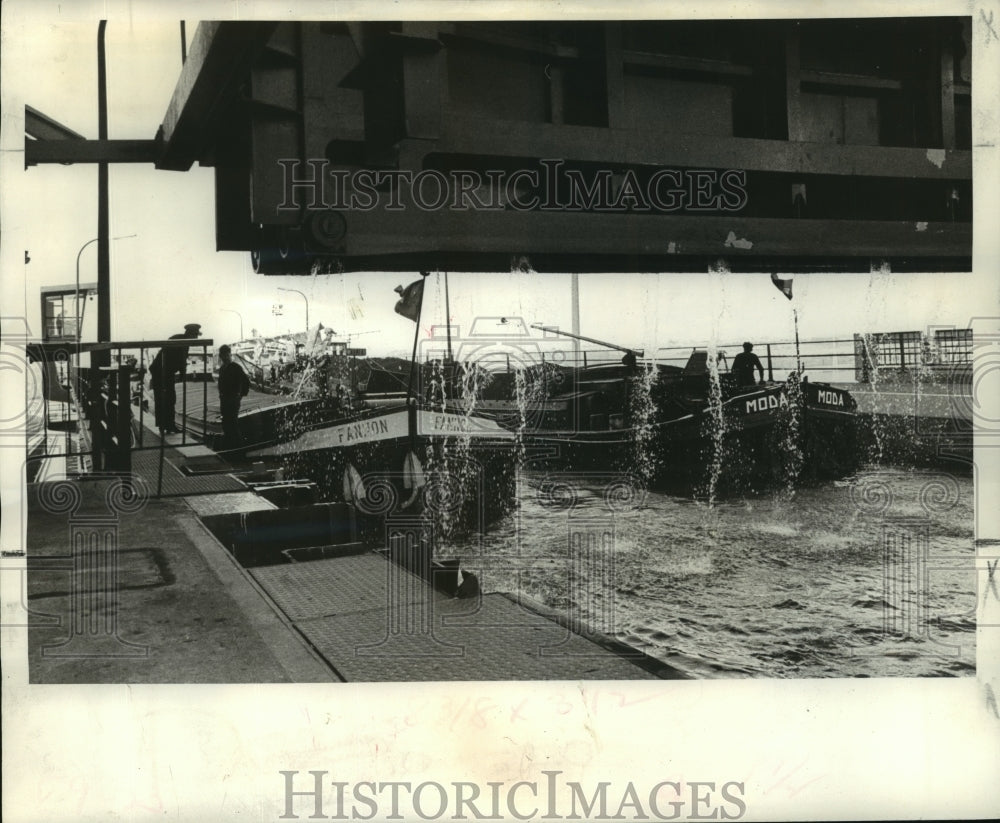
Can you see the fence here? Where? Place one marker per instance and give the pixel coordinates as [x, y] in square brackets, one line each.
[939, 354]
[944, 355]
[97, 401]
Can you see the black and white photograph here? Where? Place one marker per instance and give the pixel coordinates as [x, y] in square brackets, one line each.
[500, 411]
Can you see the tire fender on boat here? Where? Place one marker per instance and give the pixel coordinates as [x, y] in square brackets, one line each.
[354, 486]
[413, 478]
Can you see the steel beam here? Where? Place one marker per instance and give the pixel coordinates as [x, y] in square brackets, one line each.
[468, 134]
[219, 59]
[42, 127]
[67, 152]
[563, 241]
[380, 231]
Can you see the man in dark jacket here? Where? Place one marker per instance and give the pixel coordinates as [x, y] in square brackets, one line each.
[233, 387]
[167, 364]
[744, 364]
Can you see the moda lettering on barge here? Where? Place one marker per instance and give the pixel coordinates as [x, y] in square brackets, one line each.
[765, 403]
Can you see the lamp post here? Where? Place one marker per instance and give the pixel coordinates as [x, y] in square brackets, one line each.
[76, 295]
[233, 311]
[282, 288]
[76, 306]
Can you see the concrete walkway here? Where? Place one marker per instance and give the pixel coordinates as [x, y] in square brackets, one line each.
[174, 608]
[374, 621]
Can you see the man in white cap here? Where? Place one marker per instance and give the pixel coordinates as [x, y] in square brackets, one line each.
[167, 364]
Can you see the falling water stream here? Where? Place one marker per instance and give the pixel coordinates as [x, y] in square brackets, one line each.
[646, 457]
[790, 448]
[877, 424]
[716, 422]
[521, 397]
[444, 456]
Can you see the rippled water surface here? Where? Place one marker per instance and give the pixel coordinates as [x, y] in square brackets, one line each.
[870, 576]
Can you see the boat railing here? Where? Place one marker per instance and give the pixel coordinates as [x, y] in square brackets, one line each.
[884, 357]
[941, 355]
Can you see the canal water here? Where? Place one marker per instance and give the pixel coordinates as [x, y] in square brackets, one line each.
[870, 576]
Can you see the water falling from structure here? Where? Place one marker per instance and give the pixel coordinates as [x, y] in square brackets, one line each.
[790, 434]
[643, 414]
[870, 354]
[716, 424]
[438, 456]
[521, 397]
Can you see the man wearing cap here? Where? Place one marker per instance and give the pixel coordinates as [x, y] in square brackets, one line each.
[165, 366]
[744, 364]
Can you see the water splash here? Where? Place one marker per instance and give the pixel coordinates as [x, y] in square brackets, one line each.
[870, 357]
[521, 397]
[643, 414]
[451, 464]
[924, 377]
[715, 423]
[472, 380]
[790, 433]
[438, 451]
[317, 379]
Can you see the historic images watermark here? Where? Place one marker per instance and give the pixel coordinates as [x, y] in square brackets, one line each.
[508, 371]
[94, 562]
[948, 384]
[512, 375]
[91, 567]
[913, 567]
[547, 186]
[314, 795]
[21, 414]
[418, 625]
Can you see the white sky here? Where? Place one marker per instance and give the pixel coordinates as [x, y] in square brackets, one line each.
[170, 274]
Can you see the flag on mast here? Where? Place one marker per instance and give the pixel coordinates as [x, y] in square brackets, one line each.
[784, 286]
[408, 304]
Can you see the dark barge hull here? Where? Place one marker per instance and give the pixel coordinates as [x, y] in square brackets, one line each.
[760, 445]
[265, 419]
[404, 462]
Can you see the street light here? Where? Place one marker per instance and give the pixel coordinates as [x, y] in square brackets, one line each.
[76, 306]
[76, 295]
[281, 288]
[233, 311]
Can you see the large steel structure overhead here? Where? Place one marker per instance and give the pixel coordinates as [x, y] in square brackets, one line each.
[583, 146]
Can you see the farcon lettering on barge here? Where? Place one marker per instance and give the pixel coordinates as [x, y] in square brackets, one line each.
[362, 430]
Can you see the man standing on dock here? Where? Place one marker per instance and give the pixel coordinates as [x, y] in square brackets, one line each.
[165, 366]
[233, 387]
[744, 364]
